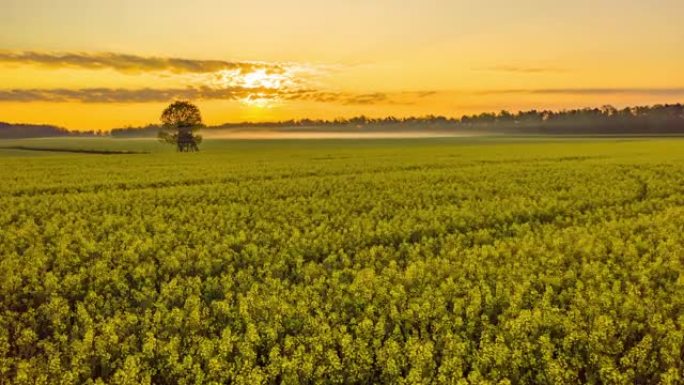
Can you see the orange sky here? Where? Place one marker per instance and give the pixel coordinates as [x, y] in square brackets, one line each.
[90, 64]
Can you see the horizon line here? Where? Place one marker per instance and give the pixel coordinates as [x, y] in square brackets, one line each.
[347, 120]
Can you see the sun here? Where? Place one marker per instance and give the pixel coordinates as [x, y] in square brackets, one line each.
[261, 86]
[262, 79]
[259, 78]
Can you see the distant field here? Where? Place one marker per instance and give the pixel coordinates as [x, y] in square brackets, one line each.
[8, 147]
[444, 260]
[226, 146]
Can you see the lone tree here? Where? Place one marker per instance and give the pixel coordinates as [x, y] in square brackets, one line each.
[180, 122]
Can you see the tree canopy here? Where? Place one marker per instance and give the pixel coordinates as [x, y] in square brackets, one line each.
[180, 120]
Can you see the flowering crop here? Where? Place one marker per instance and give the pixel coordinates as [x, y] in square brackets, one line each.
[349, 262]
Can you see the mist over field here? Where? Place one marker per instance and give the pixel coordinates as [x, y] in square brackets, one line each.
[326, 133]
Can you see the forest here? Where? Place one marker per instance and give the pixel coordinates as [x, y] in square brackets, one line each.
[21, 131]
[607, 120]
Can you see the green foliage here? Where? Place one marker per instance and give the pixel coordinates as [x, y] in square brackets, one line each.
[333, 262]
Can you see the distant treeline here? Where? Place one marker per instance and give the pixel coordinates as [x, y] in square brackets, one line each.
[151, 130]
[20, 131]
[607, 120]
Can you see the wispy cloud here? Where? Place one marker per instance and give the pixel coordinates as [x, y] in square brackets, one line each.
[198, 80]
[521, 69]
[372, 98]
[675, 91]
[150, 95]
[143, 95]
[146, 95]
[365, 99]
[421, 94]
[134, 64]
[242, 93]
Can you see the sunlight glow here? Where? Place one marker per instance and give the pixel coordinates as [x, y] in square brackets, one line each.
[258, 101]
[262, 79]
[259, 80]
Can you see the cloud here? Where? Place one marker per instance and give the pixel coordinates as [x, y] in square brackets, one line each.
[199, 80]
[348, 98]
[135, 64]
[421, 94]
[147, 95]
[365, 99]
[143, 95]
[345, 98]
[521, 69]
[676, 91]
[152, 95]
[238, 93]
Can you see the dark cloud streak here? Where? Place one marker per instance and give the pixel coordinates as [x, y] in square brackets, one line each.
[521, 69]
[143, 95]
[676, 91]
[150, 95]
[147, 95]
[133, 63]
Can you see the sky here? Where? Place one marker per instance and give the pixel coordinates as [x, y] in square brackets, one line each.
[88, 64]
